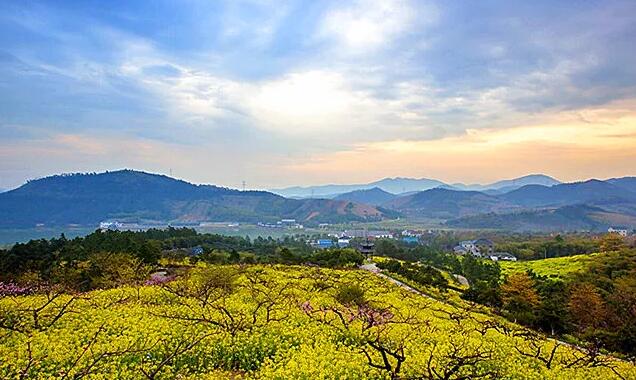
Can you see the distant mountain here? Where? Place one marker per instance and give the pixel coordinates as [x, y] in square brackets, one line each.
[374, 196]
[511, 184]
[566, 218]
[400, 185]
[625, 183]
[446, 204]
[391, 185]
[128, 195]
[593, 192]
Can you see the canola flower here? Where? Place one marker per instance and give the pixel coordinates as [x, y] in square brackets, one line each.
[274, 322]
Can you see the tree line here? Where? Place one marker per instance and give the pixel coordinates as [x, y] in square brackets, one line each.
[105, 259]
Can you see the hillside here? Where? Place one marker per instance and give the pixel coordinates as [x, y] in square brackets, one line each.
[592, 192]
[567, 218]
[127, 195]
[276, 322]
[374, 196]
[625, 183]
[447, 204]
[511, 184]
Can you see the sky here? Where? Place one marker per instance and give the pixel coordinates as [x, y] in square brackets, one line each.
[278, 93]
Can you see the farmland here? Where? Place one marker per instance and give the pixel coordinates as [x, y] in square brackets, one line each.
[275, 322]
[558, 267]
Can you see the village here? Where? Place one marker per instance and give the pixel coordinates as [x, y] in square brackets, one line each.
[328, 236]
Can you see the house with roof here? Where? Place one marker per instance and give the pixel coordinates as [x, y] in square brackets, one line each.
[367, 249]
[479, 247]
[196, 251]
[413, 240]
[622, 231]
[373, 234]
[322, 244]
[110, 226]
[344, 241]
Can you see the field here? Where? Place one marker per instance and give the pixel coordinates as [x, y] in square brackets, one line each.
[554, 267]
[264, 322]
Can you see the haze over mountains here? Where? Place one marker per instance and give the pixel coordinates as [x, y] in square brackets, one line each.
[529, 203]
[400, 185]
[392, 185]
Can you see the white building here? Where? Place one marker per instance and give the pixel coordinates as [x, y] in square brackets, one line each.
[113, 226]
[468, 246]
[344, 242]
[374, 234]
[478, 247]
[623, 231]
[503, 256]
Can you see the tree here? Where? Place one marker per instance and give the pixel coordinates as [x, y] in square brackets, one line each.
[519, 297]
[552, 313]
[622, 316]
[612, 242]
[586, 307]
[385, 247]
[374, 330]
[234, 256]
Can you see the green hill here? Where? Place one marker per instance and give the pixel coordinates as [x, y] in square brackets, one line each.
[567, 218]
[561, 267]
[127, 195]
[447, 204]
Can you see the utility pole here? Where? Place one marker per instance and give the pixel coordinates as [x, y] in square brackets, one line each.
[170, 172]
[243, 183]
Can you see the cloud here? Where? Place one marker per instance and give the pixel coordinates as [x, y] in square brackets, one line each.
[309, 82]
[364, 26]
[565, 147]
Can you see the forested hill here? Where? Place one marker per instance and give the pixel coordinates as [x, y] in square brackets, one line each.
[129, 195]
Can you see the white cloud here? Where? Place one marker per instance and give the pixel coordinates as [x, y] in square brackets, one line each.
[369, 25]
[257, 30]
[322, 104]
[304, 102]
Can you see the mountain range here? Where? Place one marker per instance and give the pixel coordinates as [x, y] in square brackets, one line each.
[442, 203]
[133, 196]
[373, 196]
[392, 185]
[400, 185]
[589, 205]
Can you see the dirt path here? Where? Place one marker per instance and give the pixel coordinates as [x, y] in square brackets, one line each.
[371, 267]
